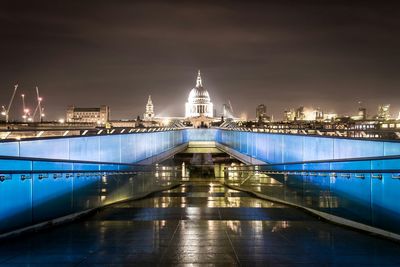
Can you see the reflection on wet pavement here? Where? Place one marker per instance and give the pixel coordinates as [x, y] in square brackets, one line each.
[199, 223]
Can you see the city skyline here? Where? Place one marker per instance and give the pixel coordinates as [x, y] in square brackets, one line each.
[310, 111]
[282, 54]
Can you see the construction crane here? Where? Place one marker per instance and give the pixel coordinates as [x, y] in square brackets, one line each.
[6, 110]
[230, 106]
[39, 106]
[25, 111]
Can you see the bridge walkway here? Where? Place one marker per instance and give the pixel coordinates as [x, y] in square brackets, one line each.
[199, 223]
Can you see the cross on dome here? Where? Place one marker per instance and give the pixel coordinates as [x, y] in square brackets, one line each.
[149, 102]
[198, 82]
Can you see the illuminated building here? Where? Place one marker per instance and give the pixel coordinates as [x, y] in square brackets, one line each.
[300, 114]
[289, 115]
[149, 114]
[319, 115]
[199, 102]
[361, 115]
[99, 115]
[330, 116]
[261, 113]
[384, 112]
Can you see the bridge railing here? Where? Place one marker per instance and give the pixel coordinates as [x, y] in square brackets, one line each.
[34, 190]
[33, 133]
[361, 190]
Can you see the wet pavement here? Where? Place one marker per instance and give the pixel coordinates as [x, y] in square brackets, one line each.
[199, 223]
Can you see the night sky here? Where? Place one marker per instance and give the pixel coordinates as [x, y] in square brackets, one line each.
[328, 54]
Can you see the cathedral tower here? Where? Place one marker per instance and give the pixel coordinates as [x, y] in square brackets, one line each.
[149, 114]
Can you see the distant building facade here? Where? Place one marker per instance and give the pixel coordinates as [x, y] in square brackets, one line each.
[100, 115]
[261, 112]
[384, 112]
[300, 114]
[149, 114]
[319, 114]
[361, 113]
[289, 115]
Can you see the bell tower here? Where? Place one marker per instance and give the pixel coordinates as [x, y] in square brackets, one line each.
[149, 114]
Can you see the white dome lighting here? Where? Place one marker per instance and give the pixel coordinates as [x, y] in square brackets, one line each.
[199, 102]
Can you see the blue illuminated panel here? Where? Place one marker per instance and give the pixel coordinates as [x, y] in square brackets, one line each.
[84, 148]
[372, 200]
[52, 193]
[367, 198]
[280, 148]
[16, 196]
[45, 148]
[201, 134]
[119, 148]
[85, 187]
[9, 149]
[318, 148]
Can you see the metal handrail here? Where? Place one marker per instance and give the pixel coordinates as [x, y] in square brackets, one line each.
[43, 174]
[105, 172]
[243, 129]
[103, 133]
[312, 172]
[326, 161]
[66, 160]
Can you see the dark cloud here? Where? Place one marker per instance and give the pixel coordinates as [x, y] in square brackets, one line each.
[329, 54]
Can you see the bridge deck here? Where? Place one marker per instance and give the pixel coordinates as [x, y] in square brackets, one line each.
[199, 223]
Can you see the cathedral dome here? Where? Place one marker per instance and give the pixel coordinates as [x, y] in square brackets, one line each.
[199, 95]
[199, 102]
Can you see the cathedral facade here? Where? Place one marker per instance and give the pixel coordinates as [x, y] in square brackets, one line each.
[199, 103]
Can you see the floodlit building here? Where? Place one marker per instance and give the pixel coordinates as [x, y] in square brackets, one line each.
[384, 112]
[330, 116]
[361, 114]
[199, 108]
[149, 114]
[319, 114]
[261, 113]
[300, 114]
[100, 115]
[199, 102]
[289, 115]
